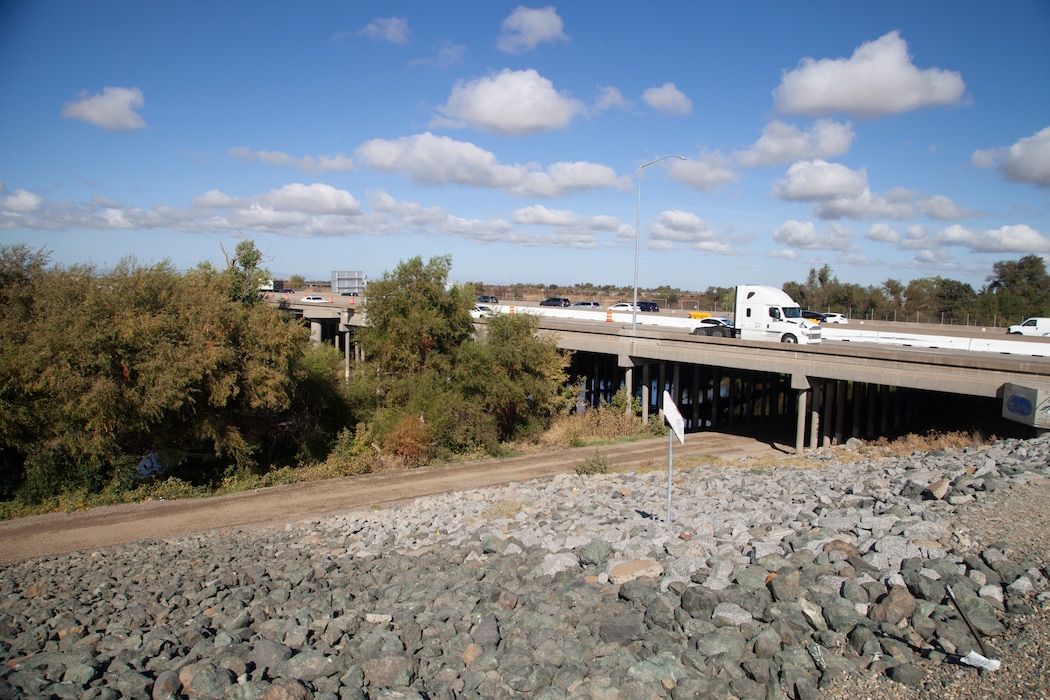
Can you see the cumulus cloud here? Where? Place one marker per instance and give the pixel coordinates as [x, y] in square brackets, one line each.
[866, 205]
[317, 198]
[113, 109]
[839, 192]
[804, 235]
[704, 173]
[944, 209]
[390, 29]
[878, 79]
[783, 143]
[1026, 161]
[525, 28]
[675, 227]
[568, 229]
[427, 159]
[20, 202]
[1007, 239]
[811, 180]
[882, 233]
[510, 103]
[309, 164]
[668, 99]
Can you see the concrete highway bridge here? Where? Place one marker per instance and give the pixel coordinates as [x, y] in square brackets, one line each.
[865, 380]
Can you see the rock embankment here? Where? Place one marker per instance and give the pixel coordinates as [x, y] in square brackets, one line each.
[769, 582]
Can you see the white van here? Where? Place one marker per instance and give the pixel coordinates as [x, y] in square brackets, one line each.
[1033, 326]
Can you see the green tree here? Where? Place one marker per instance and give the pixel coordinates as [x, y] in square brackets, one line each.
[1020, 288]
[957, 300]
[104, 369]
[444, 390]
[296, 281]
[920, 298]
[243, 277]
[895, 293]
[412, 313]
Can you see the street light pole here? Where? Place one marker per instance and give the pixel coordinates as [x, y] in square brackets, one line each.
[637, 237]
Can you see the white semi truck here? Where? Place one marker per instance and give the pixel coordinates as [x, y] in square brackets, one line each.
[764, 313]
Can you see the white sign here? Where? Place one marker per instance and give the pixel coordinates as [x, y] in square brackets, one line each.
[674, 418]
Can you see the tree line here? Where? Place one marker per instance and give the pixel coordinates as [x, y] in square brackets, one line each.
[109, 378]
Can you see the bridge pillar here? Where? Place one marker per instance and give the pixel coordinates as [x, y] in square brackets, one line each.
[800, 421]
[814, 416]
[628, 382]
[645, 393]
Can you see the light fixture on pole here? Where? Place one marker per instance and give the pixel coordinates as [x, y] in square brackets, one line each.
[637, 237]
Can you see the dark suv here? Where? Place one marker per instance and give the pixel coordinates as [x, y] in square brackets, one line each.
[648, 306]
[814, 316]
[487, 299]
[555, 301]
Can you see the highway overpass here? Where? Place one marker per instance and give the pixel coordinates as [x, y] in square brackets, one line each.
[861, 381]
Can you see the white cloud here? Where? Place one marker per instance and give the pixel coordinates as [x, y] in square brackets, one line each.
[316, 198]
[943, 208]
[783, 143]
[878, 79]
[882, 233]
[1007, 239]
[525, 27]
[309, 164]
[540, 214]
[811, 180]
[435, 160]
[804, 235]
[1026, 161]
[668, 99]
[21, 202]
[674, 227]
[391, 29]
[703, 173]
[510, 103]
[863, 206]
[114, 109]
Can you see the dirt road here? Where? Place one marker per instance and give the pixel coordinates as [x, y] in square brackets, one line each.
[59, 533]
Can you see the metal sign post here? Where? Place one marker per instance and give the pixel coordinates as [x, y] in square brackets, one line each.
[677, 424]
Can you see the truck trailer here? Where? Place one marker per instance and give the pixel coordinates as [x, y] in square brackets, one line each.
[764, 313]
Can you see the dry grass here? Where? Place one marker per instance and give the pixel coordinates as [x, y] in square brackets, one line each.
[602, 426]
[912, 443]
[502, 509]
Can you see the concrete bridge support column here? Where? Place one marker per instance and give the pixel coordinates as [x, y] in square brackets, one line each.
[814, 416]
[315, 332]
[628, 382]
[805, 399]
[800, 421]
[645, 393]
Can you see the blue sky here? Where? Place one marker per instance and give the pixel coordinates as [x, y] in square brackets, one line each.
[887, 140]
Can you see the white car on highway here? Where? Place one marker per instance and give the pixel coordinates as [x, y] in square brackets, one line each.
[622, 306]
[835, 318]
